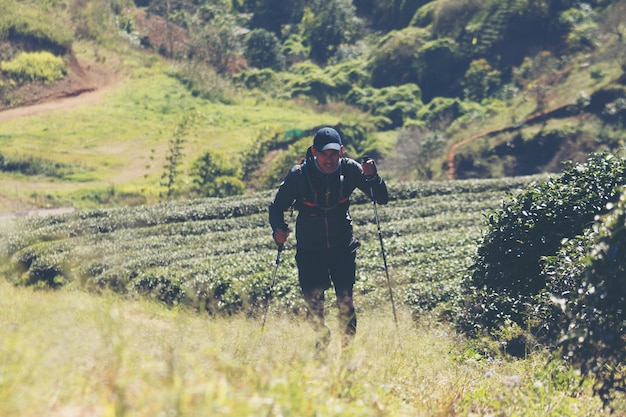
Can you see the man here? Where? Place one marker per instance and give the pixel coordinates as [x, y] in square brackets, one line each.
[319, 189]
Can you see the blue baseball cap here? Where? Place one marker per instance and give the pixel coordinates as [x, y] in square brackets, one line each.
[327, 138]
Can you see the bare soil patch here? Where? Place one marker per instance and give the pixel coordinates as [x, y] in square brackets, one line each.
[83, 85]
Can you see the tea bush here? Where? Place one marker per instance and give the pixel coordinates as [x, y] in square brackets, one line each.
[217, 254]
[592, 270]
[507, 282]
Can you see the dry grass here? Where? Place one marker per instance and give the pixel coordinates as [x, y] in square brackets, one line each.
[73, 354]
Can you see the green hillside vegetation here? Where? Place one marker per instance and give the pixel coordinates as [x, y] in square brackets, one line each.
[498, 127]
[435, 89]
[209, 261]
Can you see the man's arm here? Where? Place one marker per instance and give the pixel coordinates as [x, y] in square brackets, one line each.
[284, 198]
[371, 183]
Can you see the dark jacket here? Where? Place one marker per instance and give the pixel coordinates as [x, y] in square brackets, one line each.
[322, 201]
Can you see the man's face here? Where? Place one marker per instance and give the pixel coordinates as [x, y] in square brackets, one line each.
[327, 160]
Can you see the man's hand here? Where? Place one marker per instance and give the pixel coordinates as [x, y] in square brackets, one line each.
[369, 167]
[281, 234]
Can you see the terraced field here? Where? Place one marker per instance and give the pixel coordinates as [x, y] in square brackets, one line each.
[217, 255]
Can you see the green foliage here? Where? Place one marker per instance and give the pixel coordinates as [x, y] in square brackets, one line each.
[481, 80]
[389, 15]
[213, 38]
[216, 254]
[392, 61]
[204, 81]
[424, 16]
[453, 16]
[417, 147]
[392, 106]
[587, 282]
[214, 176]
[330, 23]
[264, 80]
[506, 276]
[440, 110]
[584, 31]
[263, 50]
[311, 81]
[272, 15]
[253, 157]
[331, 83]
[346, 76]
[175, 153]
[295, 49]
[440, 68]
[95, 20]
[31, 166]
[34, 66]
[537, 75]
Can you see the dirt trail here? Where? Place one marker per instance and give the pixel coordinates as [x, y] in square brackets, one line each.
[82, 86]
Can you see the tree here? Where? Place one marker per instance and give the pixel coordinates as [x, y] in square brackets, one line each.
[481, 80]
[214, 176]
[263, 50]
[537, 75]
[175, 153]
[416, 148]
[392, 60]
[440, 68]
[272, 15]
[214, 38]
[328, 24]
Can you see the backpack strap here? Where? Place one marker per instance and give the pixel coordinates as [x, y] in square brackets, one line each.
[314, 204]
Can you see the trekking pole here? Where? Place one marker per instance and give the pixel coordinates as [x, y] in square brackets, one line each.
[382, 248]
[267, 305]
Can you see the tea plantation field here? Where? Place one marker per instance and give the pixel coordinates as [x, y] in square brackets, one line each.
[217, 255]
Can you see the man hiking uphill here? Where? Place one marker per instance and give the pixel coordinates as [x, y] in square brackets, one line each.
[319, 189]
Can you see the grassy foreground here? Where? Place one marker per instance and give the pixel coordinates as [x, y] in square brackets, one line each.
[73, 354]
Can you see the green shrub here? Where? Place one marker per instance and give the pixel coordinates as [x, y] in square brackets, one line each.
[507, 277]
[204, 81]
[481, 80]
[440, 109]
[262, 79]
[331, 83]
[393, 105]
[215, 176]
[311, 81]
[453, 16]
[393, 59]
[592, 294]
[263, 50]
[440, 68]
[34, 66]
[424, 15]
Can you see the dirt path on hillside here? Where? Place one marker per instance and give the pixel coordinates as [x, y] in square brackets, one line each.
[82, 86]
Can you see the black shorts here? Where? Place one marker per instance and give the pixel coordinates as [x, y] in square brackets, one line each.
[321, 269]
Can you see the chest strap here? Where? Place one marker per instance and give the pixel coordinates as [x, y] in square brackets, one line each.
[314, 203]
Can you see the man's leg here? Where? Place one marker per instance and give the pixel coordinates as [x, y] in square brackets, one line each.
[314, 299]
[347, 315]
[343, 274]
[314, 280]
